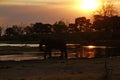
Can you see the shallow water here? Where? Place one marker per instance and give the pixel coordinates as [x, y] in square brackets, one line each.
[19, 45]
[31, 56]
[74, 51]
[19, 57]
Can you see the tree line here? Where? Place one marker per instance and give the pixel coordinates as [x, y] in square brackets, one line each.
[81, 25]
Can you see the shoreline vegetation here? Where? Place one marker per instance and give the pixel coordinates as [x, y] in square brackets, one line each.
[83, 38]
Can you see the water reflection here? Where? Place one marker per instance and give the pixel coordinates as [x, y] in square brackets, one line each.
[74, 51]
[19, 45]
[86, 51]
[18, 57]
[92, 51]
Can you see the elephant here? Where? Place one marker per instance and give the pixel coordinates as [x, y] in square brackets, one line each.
[48, 44]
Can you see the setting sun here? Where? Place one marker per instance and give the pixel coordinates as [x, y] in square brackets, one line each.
[89, 5]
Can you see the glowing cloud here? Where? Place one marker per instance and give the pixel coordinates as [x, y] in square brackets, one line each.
[33, 2]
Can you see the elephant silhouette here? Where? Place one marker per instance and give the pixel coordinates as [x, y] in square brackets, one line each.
[48, 44]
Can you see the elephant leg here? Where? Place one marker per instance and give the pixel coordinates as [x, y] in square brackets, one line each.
[62, 56]
[49, 52]
[66, 55]
[45, 54]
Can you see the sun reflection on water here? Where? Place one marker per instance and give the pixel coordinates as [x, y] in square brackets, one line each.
[74, 51]
[91, 47]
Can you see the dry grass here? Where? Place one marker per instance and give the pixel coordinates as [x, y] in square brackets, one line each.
[75, 69]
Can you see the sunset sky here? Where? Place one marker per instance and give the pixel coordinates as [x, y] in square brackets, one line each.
[46, 11]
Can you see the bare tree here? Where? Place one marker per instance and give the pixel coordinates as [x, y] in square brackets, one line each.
[106, 18]
[107, 8]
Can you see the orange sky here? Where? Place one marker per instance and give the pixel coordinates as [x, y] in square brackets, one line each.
[46, 11]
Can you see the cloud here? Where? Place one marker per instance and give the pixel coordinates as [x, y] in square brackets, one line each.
[36, 2]
[3, 19]
[30, 14]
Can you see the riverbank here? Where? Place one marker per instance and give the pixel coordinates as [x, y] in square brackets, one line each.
[55, 69]
[10, 50]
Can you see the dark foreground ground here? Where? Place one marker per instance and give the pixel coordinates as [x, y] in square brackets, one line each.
[55, 69]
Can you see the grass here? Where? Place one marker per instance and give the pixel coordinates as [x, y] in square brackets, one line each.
[53, 69]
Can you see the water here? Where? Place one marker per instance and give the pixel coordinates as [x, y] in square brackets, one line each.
[19, 45]
[18, 57]
[74, 51]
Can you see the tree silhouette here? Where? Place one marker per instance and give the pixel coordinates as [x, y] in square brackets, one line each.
[72, 28]
[39, 28]
[98, 24]
[83, 24]
[108, 24]
[9, 32]
[107, 8]
[0, 31]
[14, 30]
[59, 27]
[18, 29]
[28, 30]
[114, 23]
[46, 28]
